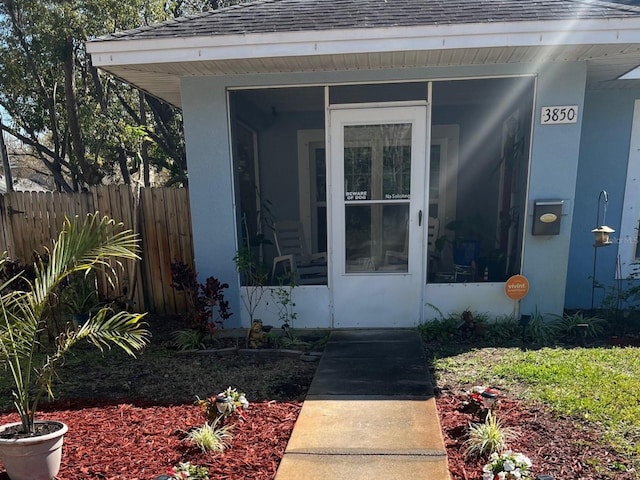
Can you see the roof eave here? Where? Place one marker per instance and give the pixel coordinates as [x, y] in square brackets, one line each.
[329, 42]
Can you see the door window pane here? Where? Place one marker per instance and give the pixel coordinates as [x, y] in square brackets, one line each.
[397, 172]
[357, 173]
[377, 162]
[377, 238]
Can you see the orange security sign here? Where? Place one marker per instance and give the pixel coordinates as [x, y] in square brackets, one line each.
[516, 287]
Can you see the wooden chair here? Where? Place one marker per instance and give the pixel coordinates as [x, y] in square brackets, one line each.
[401, 258]
[308, 269]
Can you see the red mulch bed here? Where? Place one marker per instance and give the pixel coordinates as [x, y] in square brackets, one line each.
[138, 441]
[557, 446]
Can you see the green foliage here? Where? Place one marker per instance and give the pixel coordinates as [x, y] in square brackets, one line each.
[84, 245]
[187, 470]
[576, 327]
[441, 329]
[188, 339]
[253, 275]
[504, 331]
[488, 437]
[81, 295]
[211, 437]
[224, 405]
[283, 295]
[542, 331]
[84, 126]
[207, 306]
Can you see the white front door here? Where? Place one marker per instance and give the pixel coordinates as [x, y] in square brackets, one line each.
[377, 214]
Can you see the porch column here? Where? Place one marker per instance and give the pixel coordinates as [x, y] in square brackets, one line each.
[211, 193]
[554, 168]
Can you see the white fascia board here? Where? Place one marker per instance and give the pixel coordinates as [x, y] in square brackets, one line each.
[363, 40]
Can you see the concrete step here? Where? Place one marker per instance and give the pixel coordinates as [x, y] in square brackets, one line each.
[362, 467]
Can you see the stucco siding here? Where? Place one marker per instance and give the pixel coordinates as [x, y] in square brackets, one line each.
[211, 185]
[554, 164]
[604, 154]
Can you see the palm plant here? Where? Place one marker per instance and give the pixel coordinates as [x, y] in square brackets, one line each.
[83, 246]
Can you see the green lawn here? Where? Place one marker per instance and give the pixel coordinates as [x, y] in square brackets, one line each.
[600, 385]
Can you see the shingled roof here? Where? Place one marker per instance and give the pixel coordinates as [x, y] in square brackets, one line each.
[273, 16]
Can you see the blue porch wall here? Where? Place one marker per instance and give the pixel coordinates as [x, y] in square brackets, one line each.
[553, 172]
[604, 155]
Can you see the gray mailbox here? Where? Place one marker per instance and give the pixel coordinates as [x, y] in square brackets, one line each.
[546, 217]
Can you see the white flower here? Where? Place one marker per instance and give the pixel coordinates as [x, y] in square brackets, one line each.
[487, 476]
[508, 466]
[488, 468]
[502, 476]
[494, 456]
[243, 401]
[522, 460]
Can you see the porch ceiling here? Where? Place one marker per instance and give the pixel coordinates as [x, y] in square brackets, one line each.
[605, 64]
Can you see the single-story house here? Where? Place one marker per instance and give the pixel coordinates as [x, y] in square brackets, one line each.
[424, 151]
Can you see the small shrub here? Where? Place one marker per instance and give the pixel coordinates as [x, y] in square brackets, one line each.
[283, 296]
[185, 470]
[504, 330]
[211, 438]
[542, 331]
[202, 298]
[188, 339]
[440, 329]
[224, 405]
[488, 437]
[570, 327]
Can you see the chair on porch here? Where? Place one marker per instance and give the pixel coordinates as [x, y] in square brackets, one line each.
[433, 227]
[293, 256]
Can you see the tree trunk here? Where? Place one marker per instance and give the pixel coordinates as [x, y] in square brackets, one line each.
[124, 168]
[5, 161]
[144, 151]
[89, 174]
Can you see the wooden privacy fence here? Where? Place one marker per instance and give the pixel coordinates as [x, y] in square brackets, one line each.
[161, 216]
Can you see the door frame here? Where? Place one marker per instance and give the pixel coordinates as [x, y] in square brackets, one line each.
[416, 274]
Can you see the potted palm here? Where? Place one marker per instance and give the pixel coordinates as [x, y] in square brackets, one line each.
[31, 449]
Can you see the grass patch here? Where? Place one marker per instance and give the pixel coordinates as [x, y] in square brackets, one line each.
[600, 385]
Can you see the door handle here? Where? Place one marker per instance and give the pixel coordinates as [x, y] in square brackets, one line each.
[420, 218]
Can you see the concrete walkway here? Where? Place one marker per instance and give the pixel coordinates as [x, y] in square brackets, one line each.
[369, 413]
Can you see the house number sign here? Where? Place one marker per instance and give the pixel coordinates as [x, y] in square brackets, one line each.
[559, 114]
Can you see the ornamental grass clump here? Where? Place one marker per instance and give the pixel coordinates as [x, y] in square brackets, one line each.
[210, 437]
[217, 408]
[487, 438]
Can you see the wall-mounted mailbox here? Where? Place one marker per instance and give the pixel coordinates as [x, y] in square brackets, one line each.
[546, 217]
